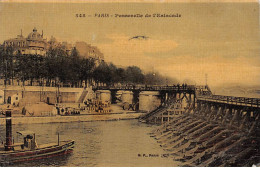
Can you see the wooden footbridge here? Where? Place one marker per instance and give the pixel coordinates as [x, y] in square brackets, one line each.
[192, 93]
[212, 130]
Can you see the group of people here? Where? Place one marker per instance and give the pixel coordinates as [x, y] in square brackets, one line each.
[73, 112]
[184, 86]
[66, 111]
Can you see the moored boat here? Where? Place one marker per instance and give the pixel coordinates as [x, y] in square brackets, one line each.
[29, 150]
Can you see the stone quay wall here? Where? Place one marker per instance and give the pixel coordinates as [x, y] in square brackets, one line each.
[34, 94]
[66, 119]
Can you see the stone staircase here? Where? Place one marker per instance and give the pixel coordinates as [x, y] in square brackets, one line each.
[82, 96]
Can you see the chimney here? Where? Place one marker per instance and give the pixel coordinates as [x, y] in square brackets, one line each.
[8, 143]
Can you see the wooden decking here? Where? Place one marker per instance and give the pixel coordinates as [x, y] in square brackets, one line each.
[240, 101]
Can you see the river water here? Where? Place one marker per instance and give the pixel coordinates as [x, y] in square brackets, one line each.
[124, 143]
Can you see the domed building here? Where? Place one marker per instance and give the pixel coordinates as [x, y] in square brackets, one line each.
[33, 44]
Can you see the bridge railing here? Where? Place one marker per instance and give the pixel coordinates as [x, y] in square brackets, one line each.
[147, 87]
[231, 100]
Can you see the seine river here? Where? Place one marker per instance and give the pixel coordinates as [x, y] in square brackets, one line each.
[100, 144]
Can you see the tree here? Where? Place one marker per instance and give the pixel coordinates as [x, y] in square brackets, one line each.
[7, 65]
[103, 73]
[71, 68]
[120, 75]
[86, 70]
[134, 75]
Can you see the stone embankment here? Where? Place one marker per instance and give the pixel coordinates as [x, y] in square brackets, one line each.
[74, 118]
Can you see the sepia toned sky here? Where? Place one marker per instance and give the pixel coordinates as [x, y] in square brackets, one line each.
[217, 39]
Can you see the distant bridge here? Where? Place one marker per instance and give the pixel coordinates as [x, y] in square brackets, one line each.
[230, 100]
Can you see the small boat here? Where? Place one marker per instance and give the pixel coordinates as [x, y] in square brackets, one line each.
[29, 150]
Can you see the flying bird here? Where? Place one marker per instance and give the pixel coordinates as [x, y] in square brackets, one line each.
[139, 37]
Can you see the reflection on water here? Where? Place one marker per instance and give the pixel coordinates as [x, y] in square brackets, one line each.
[99, 143]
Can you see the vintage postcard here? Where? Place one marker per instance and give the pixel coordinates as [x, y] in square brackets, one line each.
[156, 83]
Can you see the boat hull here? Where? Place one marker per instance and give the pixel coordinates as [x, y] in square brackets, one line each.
[11, 157]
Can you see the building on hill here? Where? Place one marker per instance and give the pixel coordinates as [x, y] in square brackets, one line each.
[53, 43]
[87, 51]
[34, 43]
